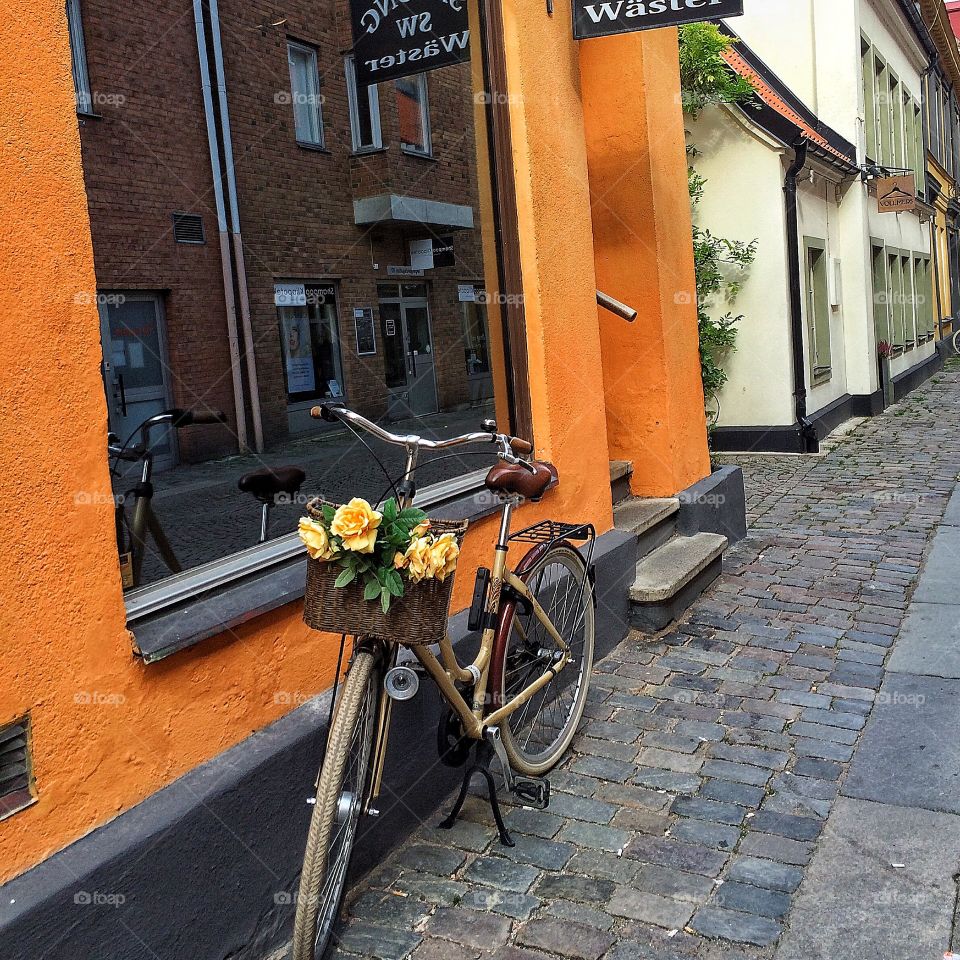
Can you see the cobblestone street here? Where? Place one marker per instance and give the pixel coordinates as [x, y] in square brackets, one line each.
[683, 822]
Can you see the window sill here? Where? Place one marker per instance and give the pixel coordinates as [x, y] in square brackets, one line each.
[83, 115]
[368, 151]
[162, 630]
[417, 154]
[313, 147]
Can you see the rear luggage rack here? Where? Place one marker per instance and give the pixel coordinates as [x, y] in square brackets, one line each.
[547, 531]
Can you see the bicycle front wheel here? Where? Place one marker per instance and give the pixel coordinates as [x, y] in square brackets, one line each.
[341, 794]
[537, 734]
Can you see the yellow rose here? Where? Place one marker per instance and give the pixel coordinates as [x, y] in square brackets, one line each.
[399, 560]
[315, 538]
[420, 529]
[417, 559]
[443, 555]
[356, 524]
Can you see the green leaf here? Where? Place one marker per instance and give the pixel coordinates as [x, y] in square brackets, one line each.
[347, 576]
[328, 513]
[385, 601]
[390, 510]
[412, 516]
[393, 583]
[372, 590]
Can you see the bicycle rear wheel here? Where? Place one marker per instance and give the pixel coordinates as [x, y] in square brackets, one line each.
[537, 734]
[341, 796]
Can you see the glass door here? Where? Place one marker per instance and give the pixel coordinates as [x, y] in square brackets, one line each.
[421, 376]
[135, 367]
[407, 355]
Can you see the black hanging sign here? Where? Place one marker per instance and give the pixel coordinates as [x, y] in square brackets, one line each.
[602, 18]
[397, 38]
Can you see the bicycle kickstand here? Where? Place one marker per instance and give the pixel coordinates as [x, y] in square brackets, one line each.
[483, 754]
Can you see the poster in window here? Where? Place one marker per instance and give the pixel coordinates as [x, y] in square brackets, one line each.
[298, 352]
[366, 337]
[402, 39]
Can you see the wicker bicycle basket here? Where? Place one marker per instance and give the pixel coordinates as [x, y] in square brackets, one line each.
[418, 617]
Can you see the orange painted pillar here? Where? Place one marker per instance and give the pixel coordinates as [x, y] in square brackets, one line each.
[644, 256]
[556, 253]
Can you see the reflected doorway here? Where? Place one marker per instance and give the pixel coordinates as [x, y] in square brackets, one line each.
[135, 368]
[409, 369]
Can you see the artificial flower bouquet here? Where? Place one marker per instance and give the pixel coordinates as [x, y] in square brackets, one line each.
[383, 551]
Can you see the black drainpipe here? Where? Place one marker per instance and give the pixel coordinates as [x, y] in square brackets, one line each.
[809, 442]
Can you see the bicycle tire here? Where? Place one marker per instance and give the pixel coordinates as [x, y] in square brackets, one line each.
[323, 881]
[522, 759]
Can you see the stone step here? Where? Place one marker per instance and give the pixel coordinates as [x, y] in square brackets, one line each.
[620, 473]
[643, 513]
[671, 577]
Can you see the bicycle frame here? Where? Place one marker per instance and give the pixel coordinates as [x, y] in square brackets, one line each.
[447, 673]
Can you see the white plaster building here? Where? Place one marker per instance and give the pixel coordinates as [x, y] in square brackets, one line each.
[839, 95]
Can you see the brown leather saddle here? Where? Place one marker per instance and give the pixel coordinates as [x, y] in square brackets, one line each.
[511, 478]
[270, 482]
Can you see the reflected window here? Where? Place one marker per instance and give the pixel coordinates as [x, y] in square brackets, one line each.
[78, 56]
[364, 112]
[310, 341]
[305, 94]
[413, 112]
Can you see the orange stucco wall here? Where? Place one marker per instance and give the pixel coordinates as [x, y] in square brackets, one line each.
[644, 257]
[107, 730]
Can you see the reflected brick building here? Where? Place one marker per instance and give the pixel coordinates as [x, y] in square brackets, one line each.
[330, 188]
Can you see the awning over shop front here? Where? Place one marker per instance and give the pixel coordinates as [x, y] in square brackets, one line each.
[405, 211]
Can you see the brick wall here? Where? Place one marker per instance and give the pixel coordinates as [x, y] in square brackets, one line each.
[147, 156]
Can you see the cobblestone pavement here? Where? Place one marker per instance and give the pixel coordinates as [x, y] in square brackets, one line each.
[711, 755]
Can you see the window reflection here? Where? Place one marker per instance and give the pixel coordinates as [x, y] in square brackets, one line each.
[361, 274]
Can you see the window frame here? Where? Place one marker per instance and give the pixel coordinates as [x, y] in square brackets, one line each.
[353, 102]
[306, 48]
[881, 292]
[426, 126]
[83, 95]
[868, 84]
[817, 302]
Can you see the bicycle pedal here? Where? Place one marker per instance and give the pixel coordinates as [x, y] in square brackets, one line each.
[532, 791]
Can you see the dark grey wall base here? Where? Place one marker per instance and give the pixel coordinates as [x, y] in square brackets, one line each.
[909, 380]
[654, 617]
[205, 868]
[772, 439]
[717, 504]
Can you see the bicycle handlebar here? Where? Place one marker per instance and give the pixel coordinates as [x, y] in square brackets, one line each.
[511, 448]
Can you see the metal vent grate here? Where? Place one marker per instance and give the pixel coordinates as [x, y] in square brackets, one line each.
[16, 788]
[188, 228]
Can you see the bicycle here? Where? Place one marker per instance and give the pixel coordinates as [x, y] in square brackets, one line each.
[132, 536]
[520, 701]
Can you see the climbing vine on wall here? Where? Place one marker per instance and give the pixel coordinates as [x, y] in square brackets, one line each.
[707, 81]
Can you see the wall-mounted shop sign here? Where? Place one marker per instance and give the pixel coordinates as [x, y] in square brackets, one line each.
[431, 252]
[602, 18]
[897, 194]
[397, 38]
[400, 270]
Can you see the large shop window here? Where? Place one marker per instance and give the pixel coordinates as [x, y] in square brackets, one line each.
[363, 279]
